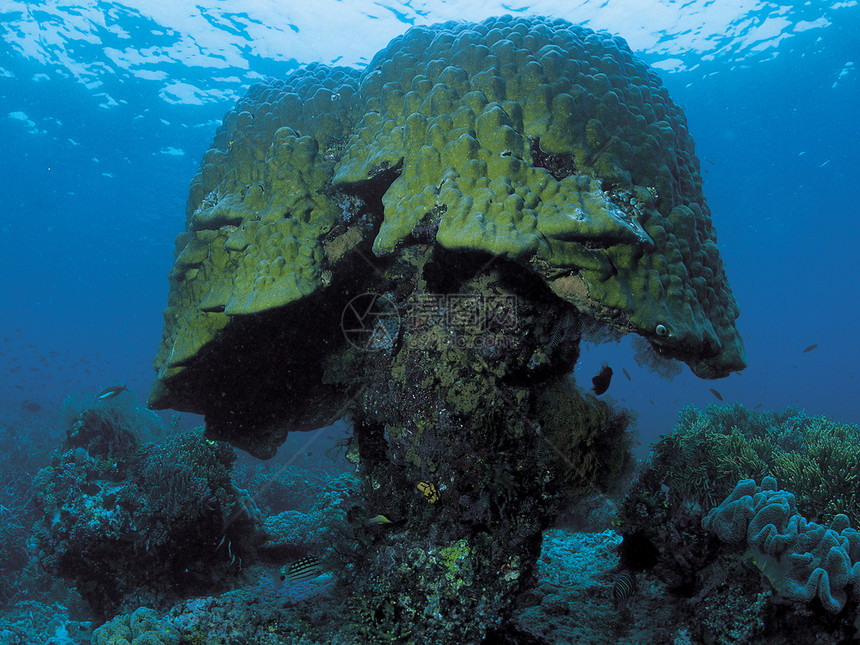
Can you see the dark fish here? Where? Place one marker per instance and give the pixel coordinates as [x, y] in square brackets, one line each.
[626, 374]
[112, 391]
[810, 348]
[624, 587]
[716, 394]
[600, 383]
[302, 570]
[32, 406]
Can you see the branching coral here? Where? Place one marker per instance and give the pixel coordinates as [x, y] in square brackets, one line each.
[710, 450]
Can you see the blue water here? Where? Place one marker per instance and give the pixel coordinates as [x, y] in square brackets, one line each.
[107, 108]
[105, 117]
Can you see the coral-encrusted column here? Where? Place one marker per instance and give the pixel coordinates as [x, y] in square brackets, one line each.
[468, 435]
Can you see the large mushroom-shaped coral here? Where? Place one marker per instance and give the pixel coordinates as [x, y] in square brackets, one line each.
[536, 141]
[421, 245]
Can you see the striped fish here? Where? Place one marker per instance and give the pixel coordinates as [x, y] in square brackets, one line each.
[302, 570]
[624, 587]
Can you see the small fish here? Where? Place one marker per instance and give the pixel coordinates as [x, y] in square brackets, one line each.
[302, 570]
[626, 374]
[716, 394]
[31, 406]
[810, 348]
[376, 520]
[624, 587]
[111, 392]
[600, 382]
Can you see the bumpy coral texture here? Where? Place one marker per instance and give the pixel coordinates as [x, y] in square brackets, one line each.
[536, 140]
[802, 559]
[143, 627]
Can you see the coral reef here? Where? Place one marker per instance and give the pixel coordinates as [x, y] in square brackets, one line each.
[475, 453]
[802, 559]
[711, 450]
[599, 438]
[737, 612]
[570, 600]
[663, 535]
[286, 489]
[691, 469]
[421, 246]
[143, 627]
[23, 450]
[14, 525]
[146, 521]
[30, 621]
[755, 564]
[239, 617]
[112, 426]
[314, 528]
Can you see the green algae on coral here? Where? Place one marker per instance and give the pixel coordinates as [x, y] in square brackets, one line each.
[533, 140]
[455, 559]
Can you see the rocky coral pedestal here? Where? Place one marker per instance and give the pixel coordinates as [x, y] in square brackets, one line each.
[469, 438]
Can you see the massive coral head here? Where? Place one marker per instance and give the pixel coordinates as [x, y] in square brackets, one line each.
[529, 139]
